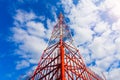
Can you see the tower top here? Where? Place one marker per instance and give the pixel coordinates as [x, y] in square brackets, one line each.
[61, 17]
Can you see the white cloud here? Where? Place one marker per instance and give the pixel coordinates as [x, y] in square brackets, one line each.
[23, 16]
[29, 36]
[35, 28]
[82, 35]
[29, 43]
[22, 64]
[117, 43]
[42, 18]
[116, 25]
[112, 7]
[114, 74]
[82, 15]
[101, 27]
[97, 48]
[107, 62]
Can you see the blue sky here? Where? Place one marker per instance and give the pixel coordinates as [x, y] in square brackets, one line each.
[27, 24]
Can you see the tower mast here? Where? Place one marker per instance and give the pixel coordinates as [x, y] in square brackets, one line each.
[61, 48]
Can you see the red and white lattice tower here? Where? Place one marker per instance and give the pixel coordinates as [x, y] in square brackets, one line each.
[61, 60]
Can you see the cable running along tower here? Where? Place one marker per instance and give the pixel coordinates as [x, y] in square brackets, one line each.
[61, 60]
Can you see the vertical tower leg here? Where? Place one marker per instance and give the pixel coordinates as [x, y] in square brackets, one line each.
[62, 60]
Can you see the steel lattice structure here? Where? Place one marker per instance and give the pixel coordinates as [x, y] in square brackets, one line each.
[61, 60]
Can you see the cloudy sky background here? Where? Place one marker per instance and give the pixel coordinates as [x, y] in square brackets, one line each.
[26, 27]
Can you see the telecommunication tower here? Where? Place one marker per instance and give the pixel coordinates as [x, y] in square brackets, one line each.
[61, 60]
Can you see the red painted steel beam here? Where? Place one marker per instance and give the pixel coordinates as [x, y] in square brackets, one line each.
[62, 52]
[62, 60]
